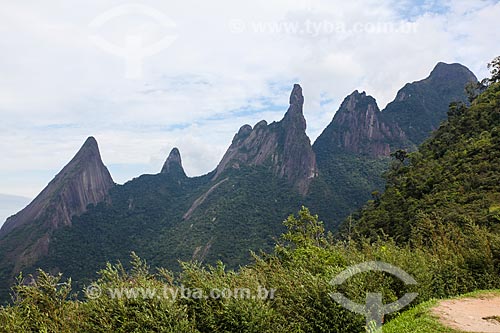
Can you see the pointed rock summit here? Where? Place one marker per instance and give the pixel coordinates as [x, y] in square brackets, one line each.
[83, 181]
[296, 97]
[294, 117]
[283, 146]
[357, 127]
[173, 164]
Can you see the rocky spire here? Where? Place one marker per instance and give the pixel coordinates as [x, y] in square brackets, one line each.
[294, 117]
[173, 164]
[296, 97]
[283, 145]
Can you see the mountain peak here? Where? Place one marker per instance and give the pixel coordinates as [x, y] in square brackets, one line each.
[454, 71]
[359, 102]
[283, 145]
[89, 150]
[91, 142]
[357, 128]
[296, 97]
[173, 164]
[294, 118]
[420, 106]
[85, 180]
[357, 94]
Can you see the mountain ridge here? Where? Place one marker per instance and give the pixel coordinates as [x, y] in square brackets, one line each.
[450, 184]
[446, 82]
[267, 172]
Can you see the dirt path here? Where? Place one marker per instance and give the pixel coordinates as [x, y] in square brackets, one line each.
[471, 314]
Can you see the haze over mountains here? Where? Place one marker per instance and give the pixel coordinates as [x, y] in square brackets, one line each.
[82, 219]
[10, 204]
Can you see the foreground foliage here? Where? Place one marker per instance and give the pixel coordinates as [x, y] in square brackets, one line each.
[297, 273]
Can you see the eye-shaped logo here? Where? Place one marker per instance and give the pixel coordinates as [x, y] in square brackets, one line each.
[133, 51]
[374, 310]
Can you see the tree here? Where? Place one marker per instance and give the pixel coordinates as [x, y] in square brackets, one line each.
[494, 67]
[472, 90]
[400, 155]
[306, 230]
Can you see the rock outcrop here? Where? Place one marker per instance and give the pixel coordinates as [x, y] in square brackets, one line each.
[173, 164]
[83, 181]
[360, 127]
[283, 146]
[357, 128]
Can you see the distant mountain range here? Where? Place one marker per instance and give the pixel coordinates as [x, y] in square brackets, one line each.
[82, 219]
[352, 152]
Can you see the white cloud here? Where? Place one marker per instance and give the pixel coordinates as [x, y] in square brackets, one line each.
[57, 87]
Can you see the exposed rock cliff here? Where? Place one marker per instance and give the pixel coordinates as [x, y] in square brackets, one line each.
[83, 181]
[357, 127]
[351, 152]
[418, 109]
[173, 164]
[283, 145]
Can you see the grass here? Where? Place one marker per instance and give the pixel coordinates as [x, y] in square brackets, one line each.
[420, 319]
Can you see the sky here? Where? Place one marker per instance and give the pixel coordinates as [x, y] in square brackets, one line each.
[144, 77]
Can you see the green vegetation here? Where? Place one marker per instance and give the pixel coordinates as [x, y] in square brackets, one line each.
[154, 216]
[438, 220]
[445, 198]
[294, 277]
[418, 320]
[452, 182]
[146, 215]
[346, 179]
[421, 106]
[494, 67]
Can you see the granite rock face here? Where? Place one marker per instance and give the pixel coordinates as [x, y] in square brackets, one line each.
[173, 164]
[358, 127]
[83, 181]
[352, 152]
[283, 146]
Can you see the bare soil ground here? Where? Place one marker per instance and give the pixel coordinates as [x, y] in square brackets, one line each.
[481, 314]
